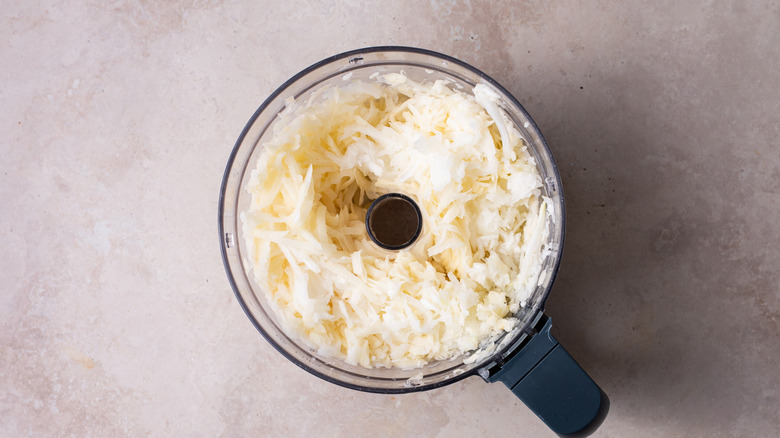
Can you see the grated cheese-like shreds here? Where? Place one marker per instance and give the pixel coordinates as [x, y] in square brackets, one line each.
[476, 262]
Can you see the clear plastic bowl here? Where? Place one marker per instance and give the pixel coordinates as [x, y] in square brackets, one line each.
[419, 65]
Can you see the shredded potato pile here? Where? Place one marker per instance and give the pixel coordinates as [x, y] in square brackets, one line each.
[476, 262]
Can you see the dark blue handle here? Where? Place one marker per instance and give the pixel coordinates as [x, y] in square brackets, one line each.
[554, 386]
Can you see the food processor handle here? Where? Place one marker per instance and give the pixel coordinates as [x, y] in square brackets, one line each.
[546, 378]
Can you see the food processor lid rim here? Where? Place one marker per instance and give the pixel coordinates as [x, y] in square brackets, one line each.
[229, 167]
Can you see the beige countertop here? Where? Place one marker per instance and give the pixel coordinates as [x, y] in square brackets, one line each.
[117, 119]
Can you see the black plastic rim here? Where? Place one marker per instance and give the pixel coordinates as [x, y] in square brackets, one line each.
[264, 105]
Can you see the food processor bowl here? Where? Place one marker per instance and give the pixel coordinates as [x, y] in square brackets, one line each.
[531, 334]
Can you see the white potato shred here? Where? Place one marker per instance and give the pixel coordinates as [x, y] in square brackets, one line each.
[484, 221]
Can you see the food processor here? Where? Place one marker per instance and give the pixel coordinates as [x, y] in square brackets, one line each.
[527, 359]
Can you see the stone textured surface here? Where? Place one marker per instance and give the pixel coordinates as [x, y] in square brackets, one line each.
[117, 118]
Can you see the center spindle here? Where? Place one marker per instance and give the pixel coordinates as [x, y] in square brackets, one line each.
[393, 221]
